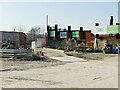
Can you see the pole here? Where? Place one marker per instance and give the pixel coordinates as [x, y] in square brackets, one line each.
[46, 32]
[47, 20]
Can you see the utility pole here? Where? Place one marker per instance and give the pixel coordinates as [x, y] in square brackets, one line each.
[46, 32]
[47, 20]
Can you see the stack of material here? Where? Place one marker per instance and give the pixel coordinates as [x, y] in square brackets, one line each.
[15, 53]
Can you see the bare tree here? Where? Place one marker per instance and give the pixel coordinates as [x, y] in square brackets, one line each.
[32, 35]
[21, 29]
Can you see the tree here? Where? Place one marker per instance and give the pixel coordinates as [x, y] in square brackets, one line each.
[32, 35]
[21, 29]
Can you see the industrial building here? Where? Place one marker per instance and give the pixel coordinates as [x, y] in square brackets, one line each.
[12, 40]
[56, 36]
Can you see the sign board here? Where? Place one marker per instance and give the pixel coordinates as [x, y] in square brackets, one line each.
[75, 34]
[63, 34]
[100, 30]
[113, 29]
[52, 33]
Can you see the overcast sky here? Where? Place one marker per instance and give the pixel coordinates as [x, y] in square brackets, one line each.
[76, 14]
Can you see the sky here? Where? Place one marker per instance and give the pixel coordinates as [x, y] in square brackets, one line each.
[76, 14]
